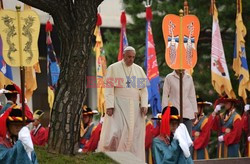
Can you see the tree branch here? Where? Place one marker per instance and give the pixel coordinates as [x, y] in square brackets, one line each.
[44, 5]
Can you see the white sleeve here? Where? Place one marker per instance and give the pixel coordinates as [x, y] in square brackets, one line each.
[24, 137]
[165, 94]
[192, 96]
[109, 88]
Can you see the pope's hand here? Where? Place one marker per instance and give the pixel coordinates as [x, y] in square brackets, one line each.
[248, 138]
[110, 111]
[144, 110]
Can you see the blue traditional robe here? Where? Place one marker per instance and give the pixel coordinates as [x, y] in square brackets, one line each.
[202, 128]
[169, 154]
[8, 104]
[15, 154]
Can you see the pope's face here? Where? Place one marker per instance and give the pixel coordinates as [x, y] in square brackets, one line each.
[129, 57]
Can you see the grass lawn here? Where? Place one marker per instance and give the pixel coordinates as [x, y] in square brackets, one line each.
[91, 158]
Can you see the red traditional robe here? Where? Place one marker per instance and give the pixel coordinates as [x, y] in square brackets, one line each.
[233, 137]
[39, 136]
[151, 133]
[92, 143]
[201, 141]
[231, 130]
[245, 127]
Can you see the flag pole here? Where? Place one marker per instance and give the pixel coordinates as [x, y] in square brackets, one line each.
[22, 69]
[1, 4]
[181, 70]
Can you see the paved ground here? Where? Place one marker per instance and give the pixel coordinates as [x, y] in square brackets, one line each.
[129, 158]
[124, 157]
[224, 161]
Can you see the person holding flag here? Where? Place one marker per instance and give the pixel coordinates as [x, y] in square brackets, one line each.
[171, 95]
[201, 131]
[229, 127]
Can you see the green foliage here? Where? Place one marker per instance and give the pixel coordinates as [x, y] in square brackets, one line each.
[91, 158]
[202, 71]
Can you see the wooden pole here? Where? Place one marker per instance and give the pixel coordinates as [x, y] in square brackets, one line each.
[186, 10]
[22, 69]
[181, 70]
[181, 94]
[1, 4]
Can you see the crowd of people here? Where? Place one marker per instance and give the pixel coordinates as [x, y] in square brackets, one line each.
[125, 126]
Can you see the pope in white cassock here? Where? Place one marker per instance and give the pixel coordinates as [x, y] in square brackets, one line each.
[126, 106]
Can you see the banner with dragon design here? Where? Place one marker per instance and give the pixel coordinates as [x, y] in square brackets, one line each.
[19, 32]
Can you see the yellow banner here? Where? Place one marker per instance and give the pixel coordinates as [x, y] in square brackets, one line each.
[20, 31]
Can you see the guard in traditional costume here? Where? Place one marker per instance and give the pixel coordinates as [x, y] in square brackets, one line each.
[172, 145]
[39, 134]
[92, 143]
[16, 146]
[87, 126]
[201, 131]
[152, 130]
[246, 129]
[229, 127]
[10, 92]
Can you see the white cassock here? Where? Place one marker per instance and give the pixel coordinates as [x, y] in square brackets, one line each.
[125, 129]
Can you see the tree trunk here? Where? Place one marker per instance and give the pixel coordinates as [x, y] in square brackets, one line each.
[75, 21]
[71, 91]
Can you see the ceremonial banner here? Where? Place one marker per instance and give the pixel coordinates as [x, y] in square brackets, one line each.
[30, 73]
[181, 38]
[19, 31]
[152, 67]
[5, 70]
[220, 75]
[100, 67]
[239, 58]
[53, 69]
[123, 36]
[30, 80]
